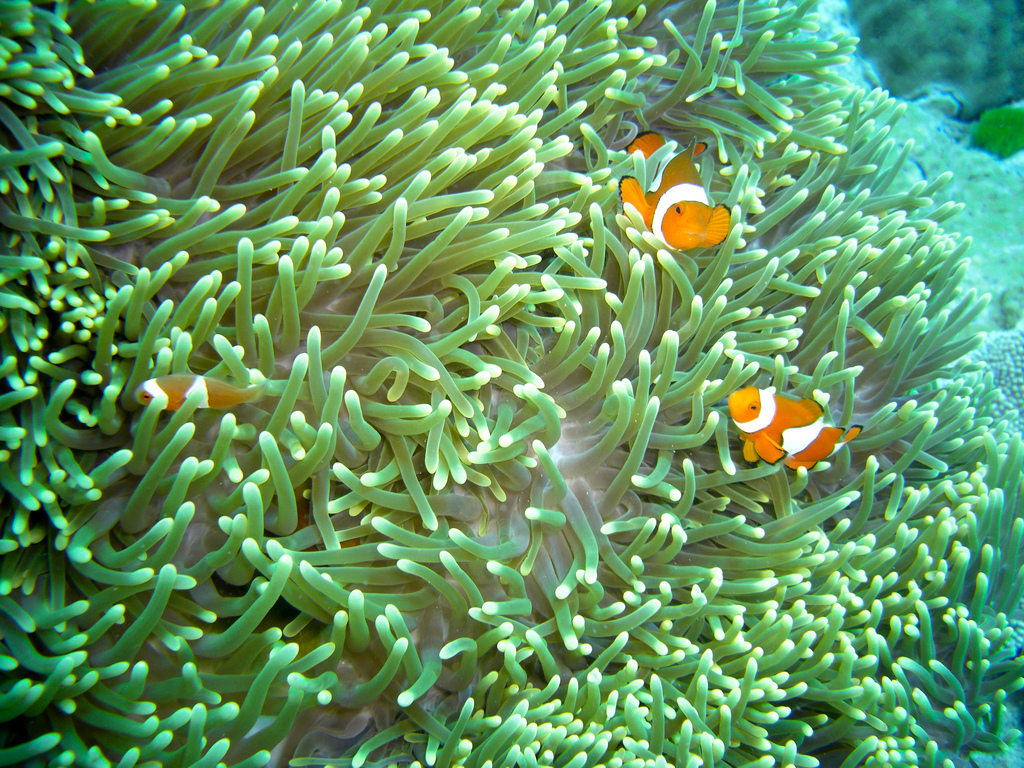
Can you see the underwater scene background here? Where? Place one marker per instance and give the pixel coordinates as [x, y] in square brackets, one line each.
[489, 508]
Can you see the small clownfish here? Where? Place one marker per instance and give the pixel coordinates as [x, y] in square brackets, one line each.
[676, 208]
[774, 427]
[178, 386]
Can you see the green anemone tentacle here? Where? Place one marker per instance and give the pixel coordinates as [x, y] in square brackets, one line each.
[485, 507]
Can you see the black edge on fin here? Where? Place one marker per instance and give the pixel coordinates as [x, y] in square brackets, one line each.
[648, 132]
[623, 181]
[641, 135]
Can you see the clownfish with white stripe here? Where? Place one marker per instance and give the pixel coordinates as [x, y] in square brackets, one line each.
[676, 208]
[777, 427]
[178, 386]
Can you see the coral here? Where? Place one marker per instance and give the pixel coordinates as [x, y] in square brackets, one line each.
[1003, 354]
[1000, 131]
[489, 511]
[973, 50]
[1011, 307]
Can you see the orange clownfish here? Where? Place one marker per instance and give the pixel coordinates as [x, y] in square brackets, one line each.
[676, 208]
[777, 427]
[178, 386]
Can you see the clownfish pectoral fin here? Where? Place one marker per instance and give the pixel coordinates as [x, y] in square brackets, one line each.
[718, 226]
[768, 449]
[851, 433]
[647, 142]
[630, 192]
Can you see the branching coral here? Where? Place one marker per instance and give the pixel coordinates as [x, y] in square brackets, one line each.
[489, 511]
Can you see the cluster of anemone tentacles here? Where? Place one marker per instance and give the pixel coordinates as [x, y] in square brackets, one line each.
[490, 511]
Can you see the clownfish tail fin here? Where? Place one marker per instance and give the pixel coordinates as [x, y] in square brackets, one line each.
[631, 193]
[647, 142]
[257, 391]
[718, 227]
[248, 394]
[699, 147]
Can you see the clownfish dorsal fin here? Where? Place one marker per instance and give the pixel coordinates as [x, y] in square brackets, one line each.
[647, 142]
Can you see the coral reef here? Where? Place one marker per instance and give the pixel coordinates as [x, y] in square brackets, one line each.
[489, 511]
[973, 50]
[1011, 307]
[1003, 355]
[980, 182]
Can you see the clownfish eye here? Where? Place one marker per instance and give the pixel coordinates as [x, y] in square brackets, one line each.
[678, 209]
[753, 407]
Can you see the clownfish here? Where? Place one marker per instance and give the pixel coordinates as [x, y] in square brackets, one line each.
[777, 427]
[178, 386]
[676, 208]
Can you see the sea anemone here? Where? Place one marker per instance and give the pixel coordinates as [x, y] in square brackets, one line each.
[489, 509]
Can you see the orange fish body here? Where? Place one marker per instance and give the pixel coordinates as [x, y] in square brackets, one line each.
[676, 208]
[777, 427]
[178, 386]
